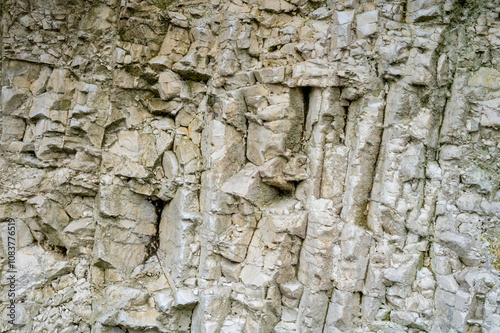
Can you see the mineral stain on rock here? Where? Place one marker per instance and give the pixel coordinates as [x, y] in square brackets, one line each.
[251, 165]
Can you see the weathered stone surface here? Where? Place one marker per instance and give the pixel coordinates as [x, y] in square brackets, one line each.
[178, 244]
[245, 166]
[247, 184]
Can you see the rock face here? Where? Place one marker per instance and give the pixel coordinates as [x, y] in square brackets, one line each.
[253, 166]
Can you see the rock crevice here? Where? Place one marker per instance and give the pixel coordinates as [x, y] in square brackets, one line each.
[251, 166]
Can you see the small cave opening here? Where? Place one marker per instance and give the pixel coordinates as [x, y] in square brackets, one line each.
[306, 93]
[155, 239]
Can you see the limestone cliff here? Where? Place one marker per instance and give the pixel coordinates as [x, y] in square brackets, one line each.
[252, 166]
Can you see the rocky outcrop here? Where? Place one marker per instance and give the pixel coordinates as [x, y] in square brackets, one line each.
[251, 166]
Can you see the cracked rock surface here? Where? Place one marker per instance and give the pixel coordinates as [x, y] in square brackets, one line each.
[257, 166]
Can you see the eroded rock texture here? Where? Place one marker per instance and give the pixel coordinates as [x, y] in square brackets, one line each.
[252, 165]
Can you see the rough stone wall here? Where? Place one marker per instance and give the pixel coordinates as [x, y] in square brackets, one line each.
[252, 165]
